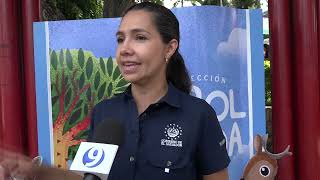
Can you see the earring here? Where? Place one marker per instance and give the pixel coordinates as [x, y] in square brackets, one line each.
[166, 60]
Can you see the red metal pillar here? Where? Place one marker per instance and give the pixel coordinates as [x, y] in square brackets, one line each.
[319, 46]
[306, 87]
[30, 13]
[11, 104]
[281, 73]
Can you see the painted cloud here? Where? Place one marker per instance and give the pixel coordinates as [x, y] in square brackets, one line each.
[235, 47]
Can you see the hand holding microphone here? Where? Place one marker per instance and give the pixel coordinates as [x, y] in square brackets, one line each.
[94, 160]
[14, 165]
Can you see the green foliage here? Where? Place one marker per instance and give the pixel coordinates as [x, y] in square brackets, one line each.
[209, 2]
[158, 2]
[72, 9]
[242, 4]
[267, 73]
[81, 9]
[88, 9]
[245, 4]
[81, 70]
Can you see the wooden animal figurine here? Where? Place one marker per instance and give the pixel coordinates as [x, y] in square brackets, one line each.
[263, 165]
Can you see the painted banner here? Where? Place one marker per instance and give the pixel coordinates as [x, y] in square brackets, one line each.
[76, 69]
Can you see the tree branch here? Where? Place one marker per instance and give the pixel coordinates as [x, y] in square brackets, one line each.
[74, 83]
[74, 102]
[81, 126]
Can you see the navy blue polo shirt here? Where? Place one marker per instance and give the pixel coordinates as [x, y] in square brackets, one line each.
[177, 138]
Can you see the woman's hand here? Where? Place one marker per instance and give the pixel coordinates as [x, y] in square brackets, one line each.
[2, 173]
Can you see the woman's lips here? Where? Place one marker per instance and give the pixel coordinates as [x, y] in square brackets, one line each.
[130, 67]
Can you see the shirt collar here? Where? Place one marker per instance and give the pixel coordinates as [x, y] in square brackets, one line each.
[172, 97]
[127, 93]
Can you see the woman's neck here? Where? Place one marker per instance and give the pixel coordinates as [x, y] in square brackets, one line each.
[144, 95]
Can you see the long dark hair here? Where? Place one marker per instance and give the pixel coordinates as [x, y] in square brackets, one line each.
[168, 26]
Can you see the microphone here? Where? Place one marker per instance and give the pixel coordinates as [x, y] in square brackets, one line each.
[109, 131]
[88, 176]
[95, 158]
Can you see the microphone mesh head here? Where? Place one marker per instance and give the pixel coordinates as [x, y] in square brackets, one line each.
[109, 131]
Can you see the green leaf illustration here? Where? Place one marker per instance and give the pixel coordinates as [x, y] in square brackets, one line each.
[116, 73]
[102, 65]
[52, 90]
[82, 135]
[69, 60]
[81, 58]
[88, 94]
[89, 67]
[96, 80]
[102, 90]
[110, 66]
[61, 58]
[121, 89]
[54, 100]
[79, 103]
[85, 109]
[81, 80]
[110, 87]
[122, 82]
[66, 80]
[54, 60]
[75, 116]
[72, 151]
[67, 97]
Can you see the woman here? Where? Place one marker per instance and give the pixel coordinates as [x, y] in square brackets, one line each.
[169, 134]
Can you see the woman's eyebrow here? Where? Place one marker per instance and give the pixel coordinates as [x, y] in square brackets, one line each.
[136, 30]
[139, 30]
[119, 33]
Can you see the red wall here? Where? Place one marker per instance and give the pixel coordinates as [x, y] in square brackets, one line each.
[295, 65]
[18, 129]
[12, 102]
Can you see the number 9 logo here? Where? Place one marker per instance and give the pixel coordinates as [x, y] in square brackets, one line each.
[93, 157]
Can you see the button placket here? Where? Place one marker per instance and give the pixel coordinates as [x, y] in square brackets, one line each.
[131, 159]
[169, 163]
[167, 169]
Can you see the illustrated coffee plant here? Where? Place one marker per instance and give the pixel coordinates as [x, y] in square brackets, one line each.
[79, 80]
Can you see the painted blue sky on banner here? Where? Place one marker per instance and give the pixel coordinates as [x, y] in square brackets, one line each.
[214, 45]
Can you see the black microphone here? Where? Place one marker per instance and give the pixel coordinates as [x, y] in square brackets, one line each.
[88, 176]
[109, 131]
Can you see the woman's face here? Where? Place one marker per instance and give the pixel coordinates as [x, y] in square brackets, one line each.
[140, 52]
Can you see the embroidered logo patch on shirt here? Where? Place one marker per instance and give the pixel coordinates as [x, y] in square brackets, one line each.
[172, 132]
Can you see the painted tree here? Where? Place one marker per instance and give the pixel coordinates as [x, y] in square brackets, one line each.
[78, 82]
